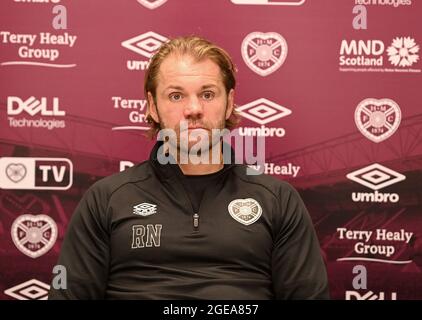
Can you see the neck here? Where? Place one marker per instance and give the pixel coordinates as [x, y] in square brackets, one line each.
[203, 164]
[200, 169]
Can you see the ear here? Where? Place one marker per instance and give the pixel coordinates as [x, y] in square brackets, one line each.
[152, 108]
[230, 103]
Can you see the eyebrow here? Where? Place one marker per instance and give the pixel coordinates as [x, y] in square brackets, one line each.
[206, 86]
[173, 87]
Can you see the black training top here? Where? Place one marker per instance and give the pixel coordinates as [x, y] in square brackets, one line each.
[136, 235]
[196, 185]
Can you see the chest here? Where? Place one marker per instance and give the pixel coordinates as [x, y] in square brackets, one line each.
[152, 227]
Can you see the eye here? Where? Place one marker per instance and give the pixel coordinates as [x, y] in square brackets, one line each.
[208, 95]
[175, 96]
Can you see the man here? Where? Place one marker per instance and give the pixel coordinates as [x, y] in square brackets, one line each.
[189, 230]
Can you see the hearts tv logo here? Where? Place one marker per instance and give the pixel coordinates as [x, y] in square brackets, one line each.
[16, 172]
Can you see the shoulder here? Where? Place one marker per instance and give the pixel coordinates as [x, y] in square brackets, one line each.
[287, 204]
[106, 186]
[274, 186]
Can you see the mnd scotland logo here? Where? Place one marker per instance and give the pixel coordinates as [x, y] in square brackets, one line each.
[374, 55]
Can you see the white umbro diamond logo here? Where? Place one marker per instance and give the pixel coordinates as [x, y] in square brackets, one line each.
[145, 44]
[376, 176]
[145, 209]
[29, 290]
[263, 111]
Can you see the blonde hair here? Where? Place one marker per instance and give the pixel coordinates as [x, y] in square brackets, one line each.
[200, 49]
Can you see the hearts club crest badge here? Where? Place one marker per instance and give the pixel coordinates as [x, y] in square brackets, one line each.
[34, 235]
[264, 53]
[16, 172]
[377, 119]
[245, 211]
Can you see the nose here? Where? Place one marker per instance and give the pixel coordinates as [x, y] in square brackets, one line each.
[193, 108]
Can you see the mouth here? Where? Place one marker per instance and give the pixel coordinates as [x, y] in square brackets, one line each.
[196, 127]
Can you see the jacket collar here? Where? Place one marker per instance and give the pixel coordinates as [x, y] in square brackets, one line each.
[170, 170]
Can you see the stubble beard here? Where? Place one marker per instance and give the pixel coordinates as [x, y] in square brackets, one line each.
[214, 138]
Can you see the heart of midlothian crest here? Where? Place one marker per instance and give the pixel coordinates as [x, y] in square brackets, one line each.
[264, 53]
[245, 211]
[377, 119]
[34, 235]
[16, 172]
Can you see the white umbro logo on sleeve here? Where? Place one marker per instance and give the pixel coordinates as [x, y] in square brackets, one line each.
[145, 209]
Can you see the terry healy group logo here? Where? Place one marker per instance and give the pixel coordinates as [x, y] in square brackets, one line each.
[135, 109]
[145, 45]
[375, 177]
[42, 113]
[34, 235]
[377, 119]
[36, 173]
[264, 53]
[372, 55]
[42, 49]
[379, 245]
[152, 4]
[288, 169]
[262, 112]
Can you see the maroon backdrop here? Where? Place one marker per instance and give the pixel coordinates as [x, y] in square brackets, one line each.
[340, 106]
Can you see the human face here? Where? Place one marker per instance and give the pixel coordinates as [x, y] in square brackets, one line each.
[190, 91]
